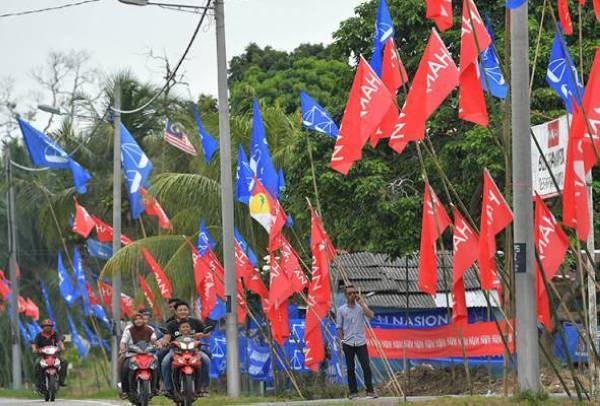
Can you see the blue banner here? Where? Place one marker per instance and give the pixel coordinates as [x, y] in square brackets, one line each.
[315, 117]
[209, 144]
[260, 156]
[244, 178]
[136, 169]
[384, 30]
[490, 66]
[205, 240]
[67, 290]
[81, 282]
[98, 250]
[47, 302]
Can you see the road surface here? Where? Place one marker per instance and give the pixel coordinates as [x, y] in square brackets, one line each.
[61, 402]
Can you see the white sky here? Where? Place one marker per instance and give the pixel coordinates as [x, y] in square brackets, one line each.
[119, 36]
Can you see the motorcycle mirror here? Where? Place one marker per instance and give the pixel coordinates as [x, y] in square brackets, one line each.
[208, 329]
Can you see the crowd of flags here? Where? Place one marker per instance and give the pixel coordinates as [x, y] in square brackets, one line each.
[371, 114]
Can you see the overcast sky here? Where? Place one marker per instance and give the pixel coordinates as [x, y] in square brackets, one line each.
[119, 36]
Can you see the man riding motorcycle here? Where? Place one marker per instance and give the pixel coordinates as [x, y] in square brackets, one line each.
[134, 333]
[182, 312]
[48, 337]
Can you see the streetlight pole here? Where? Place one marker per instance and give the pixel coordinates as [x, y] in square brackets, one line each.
[523, 249]
[14, 280]
[233, 364]
[116, 242]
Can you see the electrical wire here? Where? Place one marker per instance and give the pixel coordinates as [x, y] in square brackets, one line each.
[172, 75]
[42, 10]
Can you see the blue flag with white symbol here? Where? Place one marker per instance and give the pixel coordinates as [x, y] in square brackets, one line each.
[562, 74]
[45, 152]
[205, 240]
[89, 334]
[244, 178]
[82, 349]
[209, 144]
[136, 168]
[98, 250]
[490, 65]
[81, 282]
[513, 4]
[68, 292]
[47, 301]
[245, 247]
[219, 310]
[384, 30]
[260, 157]
[315, 117]
[101, 315]
[33, 328]
[25, 333]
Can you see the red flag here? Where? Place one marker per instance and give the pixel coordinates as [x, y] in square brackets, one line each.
[280, 287]
[31, 309]
[495, 217]
[435, 221]
[551, 244]
[268, 212]
[246, 270]
[149, 296]
[440, 12]
[83, 222]
[369, 101]
[164, 284]
[278, 317]
[153, 208]
[575, 195]
[436, 77]
[471, 100]
[127, 306]
[242, 305]
[565, 16]
[104, 232]
[4, 289]
[105, 293]
[314, 347]
[393, 73]
[217, 271]
[597, 9]
[205, 283]
[465, 243]
[91, 294]
[291, 266]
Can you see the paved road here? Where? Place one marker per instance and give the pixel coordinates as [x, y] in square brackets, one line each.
[61, 402]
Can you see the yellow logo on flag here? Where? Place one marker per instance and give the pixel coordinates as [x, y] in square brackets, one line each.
[260, 210]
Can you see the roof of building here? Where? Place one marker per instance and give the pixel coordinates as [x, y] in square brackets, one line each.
[392, 283]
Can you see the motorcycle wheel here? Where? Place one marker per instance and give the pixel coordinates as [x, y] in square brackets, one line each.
[143, 397]
[51, 387]
[188, 390]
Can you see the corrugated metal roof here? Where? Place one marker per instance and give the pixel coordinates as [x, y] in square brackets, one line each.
[418, 301]
[475, 298]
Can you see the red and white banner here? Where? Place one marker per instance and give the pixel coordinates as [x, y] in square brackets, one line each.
[480, 340]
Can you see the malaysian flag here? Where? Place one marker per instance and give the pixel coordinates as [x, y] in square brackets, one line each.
[175, 136]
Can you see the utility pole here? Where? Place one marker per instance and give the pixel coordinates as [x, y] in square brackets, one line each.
[523, 251]
[116, 242]
[233, 364]
[592, 311]
[14, 280]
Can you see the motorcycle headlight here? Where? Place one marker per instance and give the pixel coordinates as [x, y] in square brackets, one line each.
[57, 362]
[43, 363]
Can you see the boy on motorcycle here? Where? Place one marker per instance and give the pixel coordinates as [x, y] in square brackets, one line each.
[134, 333]
[48, 337]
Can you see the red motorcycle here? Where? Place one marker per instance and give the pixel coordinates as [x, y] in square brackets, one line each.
[186, 366]
[142, 373]
[50, 364]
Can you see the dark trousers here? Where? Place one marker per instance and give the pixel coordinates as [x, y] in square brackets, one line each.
[363, 357]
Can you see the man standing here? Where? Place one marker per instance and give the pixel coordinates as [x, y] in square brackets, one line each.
[351, 322]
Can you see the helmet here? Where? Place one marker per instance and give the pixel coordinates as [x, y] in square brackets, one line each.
[47, 322]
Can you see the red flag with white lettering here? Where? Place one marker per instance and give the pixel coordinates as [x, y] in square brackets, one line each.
[369, 101]
[280, 287]
[465, 244]
[105, 293]
[153, 208]
[291, 266]
[551, 243]
[204, 281]
[495, 217]
[127, 305]
[565, 16]
[279, 320]
[474, 39]
[83, 224]
[104, 232]
[314, 347]
[436, 77]
[435, 221]
[440, 12]
[216, 268]
[149, 296]
[164, 284]
[91, 294]
[242, 305]
[575, 194]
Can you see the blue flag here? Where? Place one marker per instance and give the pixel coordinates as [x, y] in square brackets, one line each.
[89, 334]
[562, 74]
[81, 282]
[76, 338]
[44, 151]
[65, 285]
[281, 180]
[490, 65]
[384, 30]
[315, 117]
[244, 177]
[97, 249]
[101, 315]
[136, 168]
[47, 301]
[25, 333]
[219, 310]
[205, 240]
[245, 247]
[33, 329]
[513, 4]
[260, 157]
[209, 144]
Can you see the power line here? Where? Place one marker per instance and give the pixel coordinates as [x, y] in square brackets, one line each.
[42, 10]
[172, 75]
